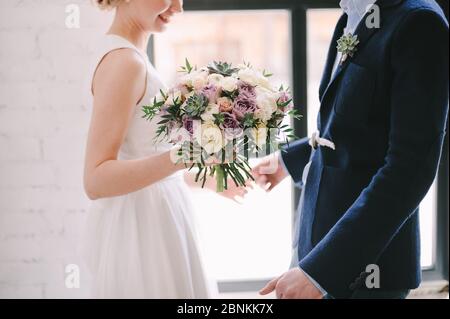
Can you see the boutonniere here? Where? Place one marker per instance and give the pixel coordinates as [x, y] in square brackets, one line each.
[347, 45]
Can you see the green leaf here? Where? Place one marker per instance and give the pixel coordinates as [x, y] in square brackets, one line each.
[219, 118]
[162, 94]
[267, 75]
[230, 94]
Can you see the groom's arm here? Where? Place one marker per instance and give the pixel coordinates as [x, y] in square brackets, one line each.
[295, 157]
[419, 107]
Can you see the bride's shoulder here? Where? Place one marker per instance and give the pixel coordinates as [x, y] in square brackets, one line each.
[123, 68]
[123, 60]
[116, 53]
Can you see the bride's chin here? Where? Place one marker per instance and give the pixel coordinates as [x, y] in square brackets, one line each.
[160, 25]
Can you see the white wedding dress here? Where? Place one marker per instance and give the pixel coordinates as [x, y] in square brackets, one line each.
[143, 244]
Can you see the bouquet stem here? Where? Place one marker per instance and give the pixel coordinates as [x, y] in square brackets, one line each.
[220, 178]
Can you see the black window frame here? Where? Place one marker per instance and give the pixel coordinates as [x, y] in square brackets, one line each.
[299, 9]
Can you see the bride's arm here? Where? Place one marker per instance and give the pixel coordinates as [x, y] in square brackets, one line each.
[119, 83]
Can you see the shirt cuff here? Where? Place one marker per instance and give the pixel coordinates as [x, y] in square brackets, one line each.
[315, 283]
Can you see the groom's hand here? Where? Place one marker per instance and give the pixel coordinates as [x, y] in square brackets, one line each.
[270, 172]
[292, 285]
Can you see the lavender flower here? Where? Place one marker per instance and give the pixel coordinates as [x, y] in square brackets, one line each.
[246, 89]
[188, 124]
[231, 126]
[212, 92]
[243, 105]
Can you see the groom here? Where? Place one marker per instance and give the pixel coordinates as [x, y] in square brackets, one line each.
[384, 106]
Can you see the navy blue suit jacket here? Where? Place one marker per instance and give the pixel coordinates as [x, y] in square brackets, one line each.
[385, 109]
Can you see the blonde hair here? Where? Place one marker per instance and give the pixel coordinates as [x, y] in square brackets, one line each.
[107, 4]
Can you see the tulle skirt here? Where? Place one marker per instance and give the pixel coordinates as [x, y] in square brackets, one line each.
[143, 245]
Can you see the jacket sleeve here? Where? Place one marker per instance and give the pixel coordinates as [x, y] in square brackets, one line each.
[419, 108]
[295, 157]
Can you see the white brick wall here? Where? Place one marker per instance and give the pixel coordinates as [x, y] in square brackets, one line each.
[43, 127]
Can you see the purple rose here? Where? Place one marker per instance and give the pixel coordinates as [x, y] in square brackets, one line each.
[246, 89]
[243, 105]
[188, 124]
[231, 126]
[230, 121]
[212, 92]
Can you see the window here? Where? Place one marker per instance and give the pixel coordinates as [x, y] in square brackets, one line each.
[249, 241]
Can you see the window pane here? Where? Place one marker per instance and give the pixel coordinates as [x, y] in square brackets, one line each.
[253, 240]
[428, 213]
[321, 24]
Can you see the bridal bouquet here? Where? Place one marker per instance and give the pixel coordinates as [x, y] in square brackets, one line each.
[220, 116]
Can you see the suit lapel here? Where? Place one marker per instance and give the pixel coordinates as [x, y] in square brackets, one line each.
[364, 34]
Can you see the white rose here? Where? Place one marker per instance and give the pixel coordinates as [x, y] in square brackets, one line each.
[195, 79]
[263, 115]
[229, 84]
[255, 78]
[265, 83]
[199, 80]
[210, 110]
[266, 100]
[207, 117]
[209, 136]
[248, 75]
[215, 79]
[264, 91]
[185, 80]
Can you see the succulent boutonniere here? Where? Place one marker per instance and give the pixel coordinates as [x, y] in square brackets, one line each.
[347, 45]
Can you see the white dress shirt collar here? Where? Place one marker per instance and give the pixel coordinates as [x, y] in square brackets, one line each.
[355, 10]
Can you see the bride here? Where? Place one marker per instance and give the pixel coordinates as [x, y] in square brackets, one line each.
[139, 240]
